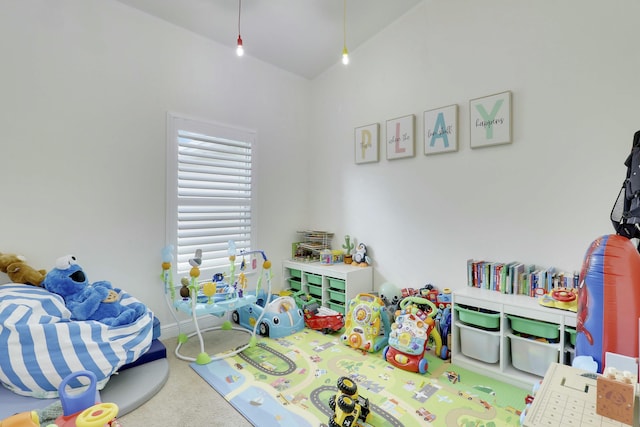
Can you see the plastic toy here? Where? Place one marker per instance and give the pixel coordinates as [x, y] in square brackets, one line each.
[23, 419]
[303, 299]
[85, 409]
[388, 291]
[367, 324]
[322, 318]
[608, 295]
[348, 248]
[277, 319]
[204, 299]
[410, 333]
[350, 409]
[99, 415]
[562, 298]
[426, 415]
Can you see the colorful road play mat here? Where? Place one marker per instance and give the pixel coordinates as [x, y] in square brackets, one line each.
[288, 382]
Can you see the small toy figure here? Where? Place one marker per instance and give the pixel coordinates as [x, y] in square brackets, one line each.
[360, 257]
[184, 290]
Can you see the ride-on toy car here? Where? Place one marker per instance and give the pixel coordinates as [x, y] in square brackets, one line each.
[322, 318]
[281, 318]
[348, 406]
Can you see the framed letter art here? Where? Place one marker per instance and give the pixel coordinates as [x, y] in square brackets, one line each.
[490, 120]
[366, 143]
[441, 130]
[400, 137]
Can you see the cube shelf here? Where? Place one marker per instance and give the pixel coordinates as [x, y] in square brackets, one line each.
[485, 335]
[332, 284]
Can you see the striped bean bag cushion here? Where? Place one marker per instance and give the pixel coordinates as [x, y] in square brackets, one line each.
[40, 345]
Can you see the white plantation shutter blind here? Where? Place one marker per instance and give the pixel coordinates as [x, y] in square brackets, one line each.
[213, 195]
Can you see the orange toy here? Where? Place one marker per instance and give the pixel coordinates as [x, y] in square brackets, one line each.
[23, 419]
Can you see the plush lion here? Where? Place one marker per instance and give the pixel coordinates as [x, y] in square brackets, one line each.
[97, 301]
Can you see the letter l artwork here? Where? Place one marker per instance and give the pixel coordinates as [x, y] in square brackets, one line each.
[365, 141]
[398, 148]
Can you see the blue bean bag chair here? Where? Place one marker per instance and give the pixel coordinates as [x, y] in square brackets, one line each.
[40, 345]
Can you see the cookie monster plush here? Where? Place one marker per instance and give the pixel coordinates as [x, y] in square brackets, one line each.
[98, 301]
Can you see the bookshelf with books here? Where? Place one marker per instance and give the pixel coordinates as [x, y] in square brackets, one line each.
[517, 278]
[498, 347]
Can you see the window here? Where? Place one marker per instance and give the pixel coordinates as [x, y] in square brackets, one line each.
[209, 191]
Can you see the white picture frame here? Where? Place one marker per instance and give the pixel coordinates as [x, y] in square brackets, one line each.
[441, 130]
[400, 137]
[490, 120]
[366, 142]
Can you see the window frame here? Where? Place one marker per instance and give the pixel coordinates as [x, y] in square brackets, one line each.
[177, 123]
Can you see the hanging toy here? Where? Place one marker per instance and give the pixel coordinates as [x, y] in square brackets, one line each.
[184, 290]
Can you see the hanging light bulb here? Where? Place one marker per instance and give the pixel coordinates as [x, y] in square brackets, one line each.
[239, 49]
[345, 52]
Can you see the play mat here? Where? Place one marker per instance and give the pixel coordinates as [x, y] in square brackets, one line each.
[288, 381]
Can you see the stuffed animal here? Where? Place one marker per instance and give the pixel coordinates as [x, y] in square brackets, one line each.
[20, 272]
[360, 257]
[98, 301]
[16, 267]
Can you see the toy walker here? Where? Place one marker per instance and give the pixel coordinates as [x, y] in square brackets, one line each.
[410, 334]
[209, 298]
[367, 324]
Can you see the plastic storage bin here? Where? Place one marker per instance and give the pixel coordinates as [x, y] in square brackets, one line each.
[536, 328]
[483, 319]
[315, 290]
[336, 283]
[294, 283]
[337, 296]
[532, 356]
[340, 308]
[571, 336]
[295, 273]
[313, 279]
[479, 344]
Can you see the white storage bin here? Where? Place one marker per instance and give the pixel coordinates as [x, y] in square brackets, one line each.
[532, 356]
[479, 344]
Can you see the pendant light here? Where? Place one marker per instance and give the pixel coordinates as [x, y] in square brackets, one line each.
[239, 49]
[345, 52]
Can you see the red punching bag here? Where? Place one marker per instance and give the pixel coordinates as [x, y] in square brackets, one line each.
[609, 299]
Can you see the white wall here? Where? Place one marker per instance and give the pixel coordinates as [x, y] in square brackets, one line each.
[85, 88]
[86, 85]
[572, 67]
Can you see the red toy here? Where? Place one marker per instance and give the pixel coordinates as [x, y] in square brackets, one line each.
[410, 335]
[322, 318]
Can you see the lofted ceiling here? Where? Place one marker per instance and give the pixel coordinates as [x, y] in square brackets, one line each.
[304, 37]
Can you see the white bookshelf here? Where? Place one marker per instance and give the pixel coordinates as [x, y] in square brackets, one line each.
[507, 305]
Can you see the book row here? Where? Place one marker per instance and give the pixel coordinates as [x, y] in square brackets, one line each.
[518, 278]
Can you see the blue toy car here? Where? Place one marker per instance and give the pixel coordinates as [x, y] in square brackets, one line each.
[281, 317]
